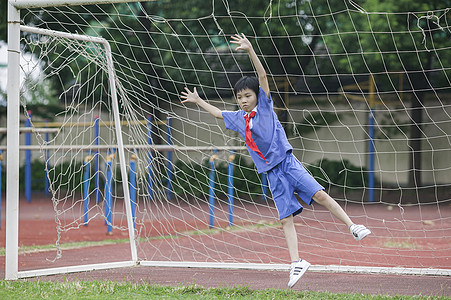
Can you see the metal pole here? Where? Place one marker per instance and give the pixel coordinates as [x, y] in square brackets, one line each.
[28, 159]
[46, 169]
[371, 156]
[149, 154]
[86, 188]
[169, 154]
[12, 156]
[211, 189]
[108, 194]
[230, 187]
[371, 139]
[121, 151]
[96, 160]
[133, 187]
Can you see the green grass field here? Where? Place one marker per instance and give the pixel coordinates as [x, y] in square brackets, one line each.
[22, 289]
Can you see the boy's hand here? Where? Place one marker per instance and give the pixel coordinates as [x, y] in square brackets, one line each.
[242, 42]
[193, 97]
[189, 96]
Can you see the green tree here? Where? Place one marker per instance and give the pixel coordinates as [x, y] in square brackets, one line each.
[161, 46]
[3, 19]
[390, 41]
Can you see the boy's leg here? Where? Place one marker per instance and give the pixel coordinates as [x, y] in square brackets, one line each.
[321, 197]
[358, 231]
[291, 237]
[298, 266]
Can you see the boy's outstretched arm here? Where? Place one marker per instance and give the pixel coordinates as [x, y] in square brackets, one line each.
[193, 97]
[244, 44]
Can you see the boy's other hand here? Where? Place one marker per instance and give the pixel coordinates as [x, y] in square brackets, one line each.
[189, 96]
[242, 42]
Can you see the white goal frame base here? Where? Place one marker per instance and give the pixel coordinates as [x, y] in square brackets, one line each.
[235, 266]
[314, 268]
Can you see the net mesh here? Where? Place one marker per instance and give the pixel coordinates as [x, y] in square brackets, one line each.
[363, 98]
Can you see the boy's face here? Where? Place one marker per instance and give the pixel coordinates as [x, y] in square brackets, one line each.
[247, 99]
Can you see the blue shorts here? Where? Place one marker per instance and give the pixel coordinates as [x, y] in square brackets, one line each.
[286, 178]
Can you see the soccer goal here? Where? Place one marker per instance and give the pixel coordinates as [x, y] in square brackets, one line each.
[362, 93]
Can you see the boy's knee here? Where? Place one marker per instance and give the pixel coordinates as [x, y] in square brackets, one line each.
[320, 197]
[287, 220]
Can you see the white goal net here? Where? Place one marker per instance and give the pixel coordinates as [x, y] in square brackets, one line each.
[362, 93]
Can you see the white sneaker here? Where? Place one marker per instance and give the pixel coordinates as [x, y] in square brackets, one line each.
[297, 269]
[359, 231]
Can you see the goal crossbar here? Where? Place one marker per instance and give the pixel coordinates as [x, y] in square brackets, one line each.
[160, 148]
[21, 4]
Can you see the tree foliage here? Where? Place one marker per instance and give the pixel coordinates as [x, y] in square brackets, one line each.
[383, 39]
[161, 46]
[164, 45]
[3, 19]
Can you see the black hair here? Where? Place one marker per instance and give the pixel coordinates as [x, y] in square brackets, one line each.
[247, 82]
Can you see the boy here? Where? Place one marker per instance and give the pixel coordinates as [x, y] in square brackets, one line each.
[272, 153]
